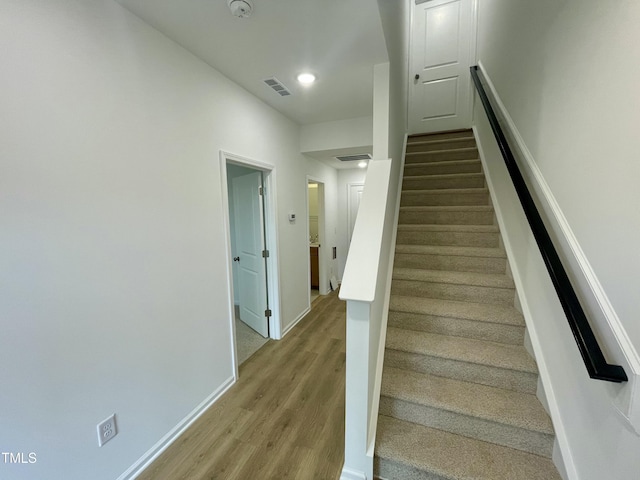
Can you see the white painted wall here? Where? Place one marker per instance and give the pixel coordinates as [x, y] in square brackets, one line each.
[113, 285]
[395, 17]
[566, 77]
[337, 135]
[570, 84]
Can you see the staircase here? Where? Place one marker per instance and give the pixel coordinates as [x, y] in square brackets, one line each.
[458, 390]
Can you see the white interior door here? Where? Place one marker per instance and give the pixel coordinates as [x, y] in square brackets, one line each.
[440, 90]
[249, 230]
[355, 195]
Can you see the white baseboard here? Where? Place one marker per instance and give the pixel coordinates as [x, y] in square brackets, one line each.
[348, 474]
[154, 452]
[295, 322]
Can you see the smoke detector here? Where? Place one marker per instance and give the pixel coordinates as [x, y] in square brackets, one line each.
[240, 8]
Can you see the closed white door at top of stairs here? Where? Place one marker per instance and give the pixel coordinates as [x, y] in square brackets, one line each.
[440, 89]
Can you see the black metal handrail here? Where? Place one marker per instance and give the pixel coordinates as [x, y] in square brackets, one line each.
[588, 345]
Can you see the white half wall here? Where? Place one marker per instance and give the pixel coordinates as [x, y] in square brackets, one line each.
[562, 72]
[114, 292]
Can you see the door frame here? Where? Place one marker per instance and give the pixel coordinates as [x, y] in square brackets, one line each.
[349, 186]
[322, 237]
[271, 237]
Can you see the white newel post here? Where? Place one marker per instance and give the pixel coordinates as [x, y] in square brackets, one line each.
[363, 286]
[357, 464]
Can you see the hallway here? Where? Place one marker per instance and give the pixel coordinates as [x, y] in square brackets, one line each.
[284, 418]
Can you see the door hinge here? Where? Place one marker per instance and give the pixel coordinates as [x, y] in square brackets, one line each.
[265, 253]
[260, 190]
[267, 313]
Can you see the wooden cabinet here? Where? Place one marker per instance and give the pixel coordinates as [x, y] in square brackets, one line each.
[315, 277]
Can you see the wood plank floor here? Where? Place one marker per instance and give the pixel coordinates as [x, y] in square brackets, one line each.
[283, 419]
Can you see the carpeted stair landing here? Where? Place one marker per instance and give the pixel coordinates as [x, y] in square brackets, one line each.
[458, 389]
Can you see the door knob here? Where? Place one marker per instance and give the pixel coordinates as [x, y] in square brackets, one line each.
[417, 77]
[236, 259]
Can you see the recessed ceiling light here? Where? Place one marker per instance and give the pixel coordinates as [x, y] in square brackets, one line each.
[306, 78]
[362, 164]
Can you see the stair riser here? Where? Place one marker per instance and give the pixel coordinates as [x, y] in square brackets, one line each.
[428, 145]
[470, 372]
[441, 156]
[442, 183]
[469, 426]
[386, 469]
[442, 199]
[447, 291]
[458, 327]
[451, 263]
[440, 136]
[442, 168]
[460, 239]
[409, 217]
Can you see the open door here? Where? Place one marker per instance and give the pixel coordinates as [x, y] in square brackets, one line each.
[250, 245]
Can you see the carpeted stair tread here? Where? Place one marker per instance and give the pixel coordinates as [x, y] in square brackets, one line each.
[444, 150]
[444, 192]
[437, 168]
[464, 136]
[459, 278]
[444, 155]
[440, 136]
[447, 208]
[457, 191]
[446, 196]
[414, 452]
[446, 250]
[432, 146]
[445, 176]
[458, 327]
[449, 308]
[455, 263]
[447, 215]
[470, 161]
[498, 405]
[460, 235]
[493, 354]
[412, 227]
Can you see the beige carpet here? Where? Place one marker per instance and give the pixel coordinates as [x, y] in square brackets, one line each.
[458, 389]
[248, 341]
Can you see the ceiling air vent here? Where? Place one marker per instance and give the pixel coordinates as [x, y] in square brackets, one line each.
[276, 85]
[352, 158]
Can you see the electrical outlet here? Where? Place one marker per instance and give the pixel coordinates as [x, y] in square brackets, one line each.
[107, 430]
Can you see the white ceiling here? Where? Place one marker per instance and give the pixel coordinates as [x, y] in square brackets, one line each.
[338, 40]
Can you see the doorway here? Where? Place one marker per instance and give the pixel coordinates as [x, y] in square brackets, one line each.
[315, 216]
[251, 251]
[353, 204]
